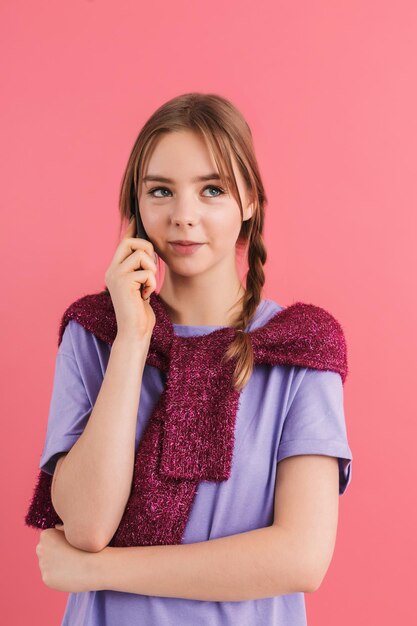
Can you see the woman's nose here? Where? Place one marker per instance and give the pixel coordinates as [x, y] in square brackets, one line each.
[184, 211]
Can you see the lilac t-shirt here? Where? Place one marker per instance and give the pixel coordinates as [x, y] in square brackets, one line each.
[283, 411]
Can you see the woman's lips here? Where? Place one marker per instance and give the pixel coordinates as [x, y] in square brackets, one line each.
[186, 249]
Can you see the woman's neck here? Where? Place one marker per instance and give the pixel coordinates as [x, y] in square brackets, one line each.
[200, 308]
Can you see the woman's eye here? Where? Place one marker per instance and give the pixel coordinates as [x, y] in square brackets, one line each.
[152, 191]
[217, 188]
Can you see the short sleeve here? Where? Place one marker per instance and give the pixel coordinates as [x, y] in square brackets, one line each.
[315, 421]
[70, 405]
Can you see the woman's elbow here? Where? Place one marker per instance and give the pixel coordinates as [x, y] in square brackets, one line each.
[88, 543]
[317, 576]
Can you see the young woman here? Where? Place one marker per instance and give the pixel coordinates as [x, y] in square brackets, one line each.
[240, 526]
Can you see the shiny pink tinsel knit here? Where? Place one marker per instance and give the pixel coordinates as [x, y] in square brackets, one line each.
[190, 434]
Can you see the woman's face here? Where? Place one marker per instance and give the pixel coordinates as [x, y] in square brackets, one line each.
[185, 208]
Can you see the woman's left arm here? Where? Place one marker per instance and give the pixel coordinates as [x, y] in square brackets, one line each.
[254, 564]
[292, 555]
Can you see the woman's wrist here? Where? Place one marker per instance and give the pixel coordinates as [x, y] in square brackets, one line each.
[132, 346]
[97, 568]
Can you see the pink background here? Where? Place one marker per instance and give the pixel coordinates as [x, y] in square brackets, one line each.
[329, 90]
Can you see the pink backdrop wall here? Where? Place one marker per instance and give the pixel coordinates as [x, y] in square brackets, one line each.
[330, 93]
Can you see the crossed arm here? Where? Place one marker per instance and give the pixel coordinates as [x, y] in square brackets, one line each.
[291, 555]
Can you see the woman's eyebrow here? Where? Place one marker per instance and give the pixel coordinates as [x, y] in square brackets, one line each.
[163, 179]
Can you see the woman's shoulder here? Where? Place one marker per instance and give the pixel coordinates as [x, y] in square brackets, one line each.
[80, 343]
[303, 315]
[91, 314]
[313, 335]
[267, 308]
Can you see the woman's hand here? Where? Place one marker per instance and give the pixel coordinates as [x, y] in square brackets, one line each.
[64, 567]
[132, 266]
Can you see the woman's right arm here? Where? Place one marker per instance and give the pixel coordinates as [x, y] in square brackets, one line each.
[92, 487]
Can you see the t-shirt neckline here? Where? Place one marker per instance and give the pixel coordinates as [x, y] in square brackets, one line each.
[189, 330]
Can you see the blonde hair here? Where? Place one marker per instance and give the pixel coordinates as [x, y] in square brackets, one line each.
[226, 132]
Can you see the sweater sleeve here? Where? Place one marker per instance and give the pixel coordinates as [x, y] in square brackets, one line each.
[315, 421]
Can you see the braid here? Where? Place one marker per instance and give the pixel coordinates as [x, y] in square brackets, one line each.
[241, 347]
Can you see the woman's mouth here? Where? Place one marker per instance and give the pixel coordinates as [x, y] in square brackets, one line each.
[185, 249]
